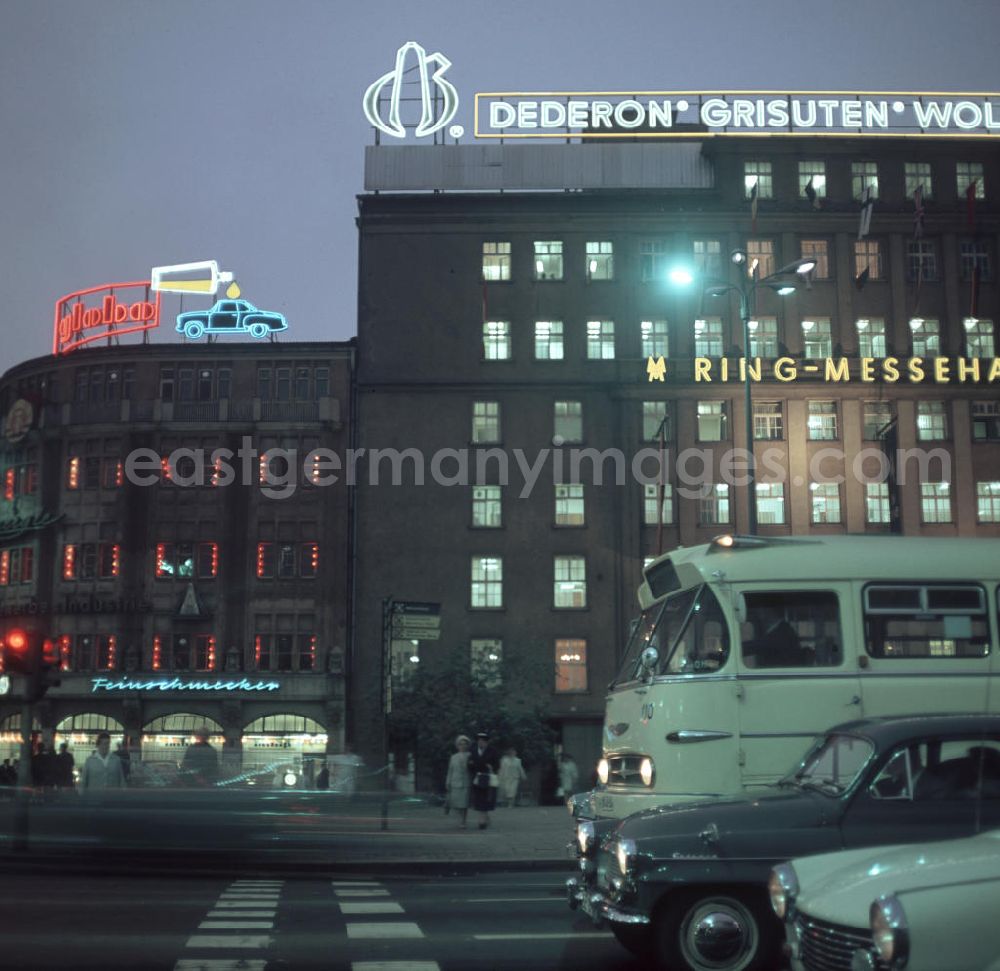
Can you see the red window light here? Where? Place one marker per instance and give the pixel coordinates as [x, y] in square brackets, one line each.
[215, 559]
[4, 568]
[116, 559]
[216, 471]
[65, 658]
[261, 559]
[257, 651]
[73, 473]
[315, 557]
[69, 562]
[112, 650]
[119, 474]
[211, 653]
[312, 652]
[165, 468]
[161, 561]
[157, 653]
[9, 484]
[263, 468]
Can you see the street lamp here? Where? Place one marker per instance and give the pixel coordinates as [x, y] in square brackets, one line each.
[747, 290]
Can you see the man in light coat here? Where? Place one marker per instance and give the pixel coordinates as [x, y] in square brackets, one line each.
[102, 770]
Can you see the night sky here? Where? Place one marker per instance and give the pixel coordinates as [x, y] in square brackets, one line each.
[137, 133]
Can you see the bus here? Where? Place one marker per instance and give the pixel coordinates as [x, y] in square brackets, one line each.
[748, 647]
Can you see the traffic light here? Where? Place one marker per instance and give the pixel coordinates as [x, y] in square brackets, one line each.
[35, 657]
[17, 657]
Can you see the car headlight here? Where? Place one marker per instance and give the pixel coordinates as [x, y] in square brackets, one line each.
[890, 933]
[586, 837]
[783, 886]
[626, 854]
[647, 772]
[603, 772]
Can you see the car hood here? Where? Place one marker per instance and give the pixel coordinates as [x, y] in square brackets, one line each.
[774, 826]
[840, 887]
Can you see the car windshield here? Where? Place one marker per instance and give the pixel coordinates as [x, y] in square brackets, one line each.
[832, 765]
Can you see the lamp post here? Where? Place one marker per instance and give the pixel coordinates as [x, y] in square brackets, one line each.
[747, 289]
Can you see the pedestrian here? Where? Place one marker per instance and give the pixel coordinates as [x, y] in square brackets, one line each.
[511, 775]
[64, 767]
[102, 770]
[201, 762]
[43, 767]
[456, 783]
[483, 763]
[568, 775]
[323, 778]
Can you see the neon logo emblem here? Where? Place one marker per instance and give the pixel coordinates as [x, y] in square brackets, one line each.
[76, 324]
[428, 124]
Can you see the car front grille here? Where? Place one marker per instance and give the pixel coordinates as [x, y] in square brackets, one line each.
[829, 947]
[623, 770]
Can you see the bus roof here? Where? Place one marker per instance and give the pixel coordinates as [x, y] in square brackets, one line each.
[811, 558]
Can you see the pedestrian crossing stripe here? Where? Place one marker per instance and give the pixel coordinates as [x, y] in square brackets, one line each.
[219, 964]
[355, 907]
[236, 925]
[362, 893]
[384, 930]
[229, 940]
[395, 966]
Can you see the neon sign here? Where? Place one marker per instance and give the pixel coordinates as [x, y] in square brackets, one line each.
[657, 114]
[231, 316]
[428, 123]
[77, 324]
[179, 684]
[202, 277]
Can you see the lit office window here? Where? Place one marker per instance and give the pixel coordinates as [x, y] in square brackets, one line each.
[651, 500]
[485, 422]
[764, 337]
[548, 340]
[871, 336]
[569, 581]
[708, 258]
[935, 502]
[569, 504]
[548, 260]
[965, 174]
[768, 421]
[817, 338]
[712, 421]
[567, 420]
[653, 258]
[571, 665]
[918, 176]
[770, 503]
[496, 340]
[932, 421]
[812, 173]
[713, 509]
[825, 502]
[758, 174]
[708, 337]
[600, 340]
[487, 508]
[979, 338]
[761, 252]
[877, 503]
[653, 414]
[985, 421]
[864, 175]
[655, 338]
[496, 261]
[818, 251]
[925, 337]
[487, 581]
[822, 421]
[600, 261]
[988, 502]
[868, 256]
[876, 418]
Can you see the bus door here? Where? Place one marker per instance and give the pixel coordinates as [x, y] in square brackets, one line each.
[927, 648]
[794, 681]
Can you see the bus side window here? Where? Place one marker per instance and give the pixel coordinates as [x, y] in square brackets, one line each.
[799, 629]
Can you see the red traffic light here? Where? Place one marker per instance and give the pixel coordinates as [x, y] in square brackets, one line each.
[17, 640]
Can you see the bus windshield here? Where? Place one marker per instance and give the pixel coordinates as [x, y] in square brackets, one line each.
[689, 632]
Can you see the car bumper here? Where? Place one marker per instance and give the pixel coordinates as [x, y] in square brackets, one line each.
[598, 907]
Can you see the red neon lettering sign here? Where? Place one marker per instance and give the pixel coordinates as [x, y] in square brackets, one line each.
[77, 324]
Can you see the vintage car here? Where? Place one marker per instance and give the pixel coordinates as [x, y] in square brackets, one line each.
[688, 883]
[926, 907]
[230, 317]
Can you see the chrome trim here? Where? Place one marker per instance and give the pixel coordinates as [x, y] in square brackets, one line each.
[609, 911]
[685, 735]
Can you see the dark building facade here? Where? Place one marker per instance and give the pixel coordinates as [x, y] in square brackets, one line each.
[182, 586]
[521, 312]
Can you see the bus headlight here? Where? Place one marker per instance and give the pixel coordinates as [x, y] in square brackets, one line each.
[783, 886]
[890, 934]
[626, 855]
[603, 772]
[586, 837]
[647, 772]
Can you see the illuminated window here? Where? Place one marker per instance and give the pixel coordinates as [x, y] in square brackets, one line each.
[265, 559]
[768, 421]
[825, 502]
[496, 262]
[208, 559]
[871, 336]
[932, 421]
[487, 582]
[112, 473]
[4, 568]
[655, 338]
[864, 175]
[974, 258]
[979, 338]
[935, 502]
[761, 252]
[157, 652]
[713, 508]
[600, 340]
[817, 250]
[985, 420]
[108, 560]
[925, 337]
[708, 337]
[600, 261]
[73, 472]
[868, 256]
[65, 643]
[918, 176]
[69, 562]
[817, 338]
[770, 503]
[308, 559]
[204, 652]
[107, 652]
[758, 174]
[877, 415]
[921, 260]
[965, 174]
[651, 499]
[764, 337]
[487, 507]
[570, 582]
[812, 174]
[307, 651]
[567, 420]
[712, 421]
[548, 260]
[877, 503]
[496, 340]
[653, 258]
[485, 422]
[571, 665]
[486, 661]
[988, 502]
[548, 340]
[822, 421]
[569, 505]
[9, 480]
[653, 414]
[708, 258]
[187, 560]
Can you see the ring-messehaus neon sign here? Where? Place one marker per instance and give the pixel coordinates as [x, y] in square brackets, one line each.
[180, 684]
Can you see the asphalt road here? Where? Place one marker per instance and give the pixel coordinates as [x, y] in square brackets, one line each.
[250, 923]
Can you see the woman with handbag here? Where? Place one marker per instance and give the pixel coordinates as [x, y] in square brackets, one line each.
[456, 783]
[483, 764]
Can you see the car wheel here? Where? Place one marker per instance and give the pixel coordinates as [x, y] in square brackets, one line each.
[193, 329]
[258, 330]
[725, 930]
[637, 939]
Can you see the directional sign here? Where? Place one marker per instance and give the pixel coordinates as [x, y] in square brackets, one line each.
[415, 621]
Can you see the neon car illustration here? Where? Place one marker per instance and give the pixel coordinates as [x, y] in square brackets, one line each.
[230, 317]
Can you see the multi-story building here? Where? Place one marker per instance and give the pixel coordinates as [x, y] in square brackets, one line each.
[522, 315]
[181, 587]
